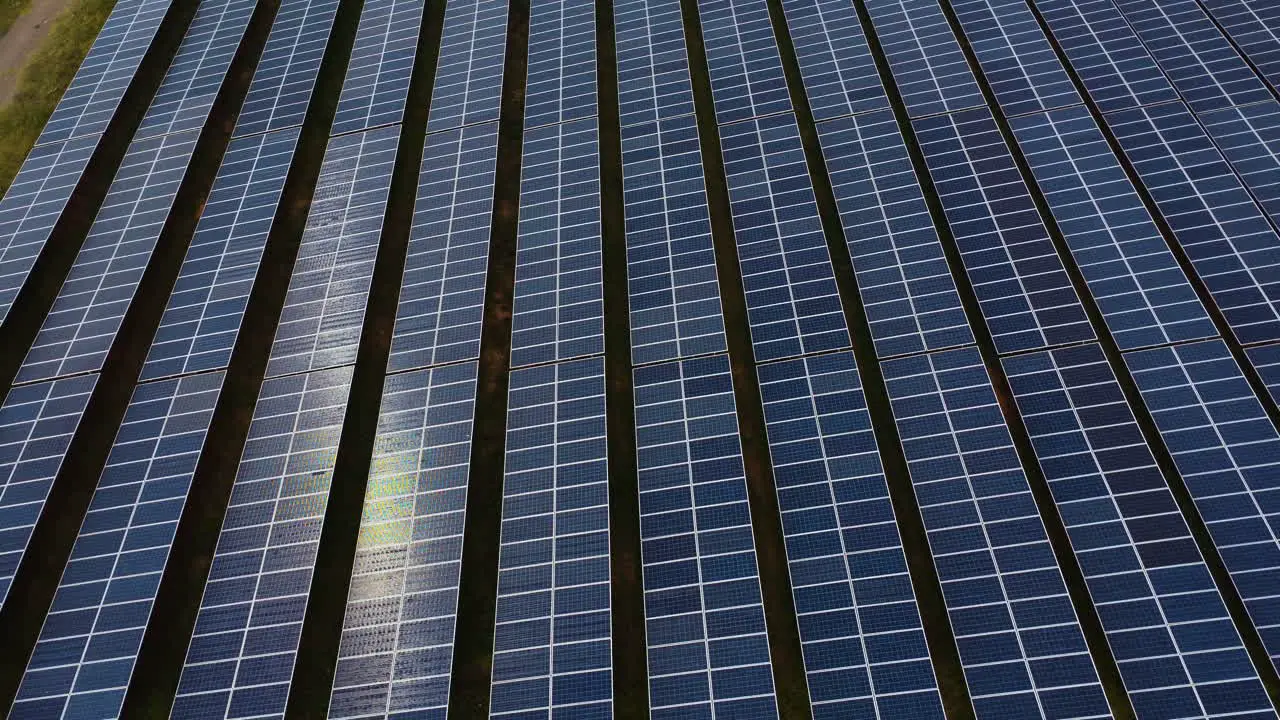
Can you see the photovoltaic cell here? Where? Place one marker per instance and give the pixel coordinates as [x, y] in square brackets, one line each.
[1139, 286]
[1198, 60]
[1027, 299]
[246, 636]
[90, 640]
[1231, 245]
[442, 292]
[1255, 26]
[468, 85]
[742, 59]
[36, 425]
[1177, 650]
[324, 309]
[1020, 644]
[1228, 452]
[864, 647]
[202, 320]
[1249, 137]
[653, 67]
[561, 82]
[558, 311]
[287, 70]
[707, 651]
[376, 87]
[926, 61]
[397, 638]
[1266, 359]
[907, 291]
[793, 306]
[552, 644]
[671, 264]
[839, 74]
[79, 330]
[32, 206]
[1115, 68]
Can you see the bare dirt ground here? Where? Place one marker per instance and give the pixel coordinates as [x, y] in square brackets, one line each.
[26, 34]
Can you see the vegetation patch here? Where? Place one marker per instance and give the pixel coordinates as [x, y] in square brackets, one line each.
[10, 10]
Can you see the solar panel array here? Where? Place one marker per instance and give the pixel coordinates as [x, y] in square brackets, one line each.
[1255, 27]
[376, 87]
[926, 60]
[286, 74]
[561, 83]
[838, 70]
[469, 73]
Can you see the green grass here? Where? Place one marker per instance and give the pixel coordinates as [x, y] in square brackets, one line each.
[43, 80]
[10, 10]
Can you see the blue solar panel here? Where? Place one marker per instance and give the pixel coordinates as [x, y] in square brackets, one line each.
[839, 74]
[1231, 245]
[246, 637]
[1228, 452]
[324, 309]
[743, 60]
[1139, 286]
[1115, 68]
[653, 67]
[1201, 63]
[468, 85]
[36, 425]
[287, 70]
[1020, 643]
[907, 291]
[32, 206]
[561, 83]
[1255, 26]
[558, 311]
[1177, 650]
[1016, 58]
[202, 320]
[1266, 359]
[671, 263]
[397, 638]
[864, 647]
[376, 87]
[79, 330]
[793, 306]
[927, 63]
[552, 645]
[442, 291]
[707, 651]
[85, 656]
[1249, 137]
[1027, 299]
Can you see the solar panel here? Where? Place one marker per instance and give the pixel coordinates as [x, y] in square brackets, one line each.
[742, 59]
[1143, 294]
[707, 651]
[246, 635]
[287, 70]
[1256, 29]
[202, 320]
[839, 74]
[1177, 650]
[1266, 359]
[91, 99]
[671, 263]
[1198, 60]
[79, 330]
[324, 308]
[1027, 299]
[191, 84]
[32, 206]
[863, 643]
[1231, 245]
[89, 643]
[558, 311]
[927, 64]
[561, 82]
[1228, 452]
[376, 87]
[1111, 62]
[397, 638]
[653, 68]
[552, 648]
[793, 306]
[36, 425]
[1020, 644]
[906, 287]
[468, 84]
[1249, 137]
[442, 292]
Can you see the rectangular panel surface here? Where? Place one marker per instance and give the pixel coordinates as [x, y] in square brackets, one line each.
[1266, 360]
[376, 87]
[287, 69]
[561, 83]
[839, 73]
[742, 59]
[1255, 26]
[927, 63]
[653, 66]
[468, 84]
[1249, 137]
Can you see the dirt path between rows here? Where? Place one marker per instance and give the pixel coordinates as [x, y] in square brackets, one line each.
[24, 36]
